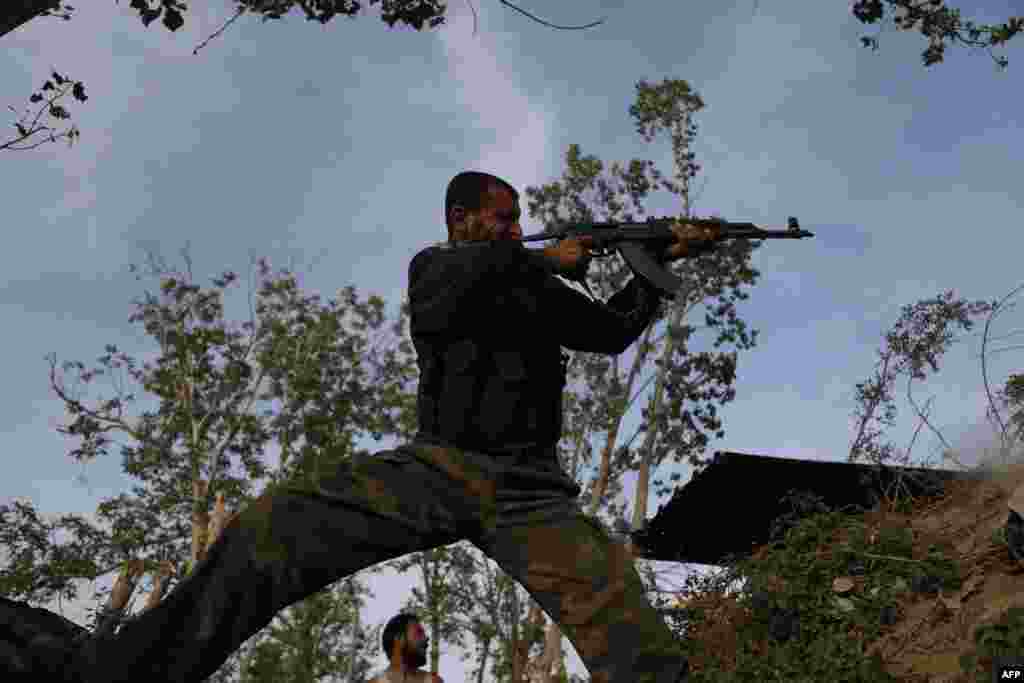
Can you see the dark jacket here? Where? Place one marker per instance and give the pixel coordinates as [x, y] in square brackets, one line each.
[488, 320]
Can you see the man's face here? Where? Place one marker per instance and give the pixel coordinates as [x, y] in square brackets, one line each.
[497, 220]
[415, 650]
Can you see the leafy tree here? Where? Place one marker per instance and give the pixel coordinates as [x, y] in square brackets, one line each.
[699, 378]
[920, 336]
[267, 662]
[315, 361]
[435, 604]
[938, 23]
[935, 20]
[413, 13]
[319, 637]
[688, 376]
[1011, 396]
[464, 595]
[505, 623]
[29, 125]
[942, 25]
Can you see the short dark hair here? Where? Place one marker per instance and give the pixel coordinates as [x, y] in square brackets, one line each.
[468, 190]
[395, 629]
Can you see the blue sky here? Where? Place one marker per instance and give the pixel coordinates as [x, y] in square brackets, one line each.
[328, 149]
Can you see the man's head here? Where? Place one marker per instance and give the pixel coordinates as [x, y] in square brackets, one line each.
[480, 207]
[405, 639]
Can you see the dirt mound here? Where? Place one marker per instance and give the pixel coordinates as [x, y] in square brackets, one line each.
[934, 632]
[925, 590]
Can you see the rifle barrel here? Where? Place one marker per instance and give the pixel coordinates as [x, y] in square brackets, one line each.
[763, 234]
[742, 233]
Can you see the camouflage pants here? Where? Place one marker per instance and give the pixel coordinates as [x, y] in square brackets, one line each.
[295, 540]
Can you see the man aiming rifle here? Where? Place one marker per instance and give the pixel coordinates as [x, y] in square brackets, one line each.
[488, 320]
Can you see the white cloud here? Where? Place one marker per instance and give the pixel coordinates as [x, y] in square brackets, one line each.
[488, 90]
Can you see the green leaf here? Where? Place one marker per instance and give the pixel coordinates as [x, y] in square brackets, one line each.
[173, 19]
[150, 15]
[36, 97]
[78, 92]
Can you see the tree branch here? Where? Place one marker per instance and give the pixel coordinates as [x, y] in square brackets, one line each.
[984, 368]
[112, 423]
[541, 21]
[238, 13]
[24, 133]
[924, 416]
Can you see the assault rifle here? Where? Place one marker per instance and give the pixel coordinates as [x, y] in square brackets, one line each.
[640, 243]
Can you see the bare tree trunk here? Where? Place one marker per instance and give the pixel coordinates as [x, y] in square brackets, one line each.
[111, 615]
[604, 470]
[17, 12]
[483, 661]
[218, 520]
[643, 479]
[435, 643]
[159, 584]
[552, 655]
[200, 521]
[521, 644]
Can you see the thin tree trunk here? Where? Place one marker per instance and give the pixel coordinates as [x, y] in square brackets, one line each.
[200, 521]
[552, 654]
[644, 471]
[604, 470]
[521, 651]
[483, 661]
